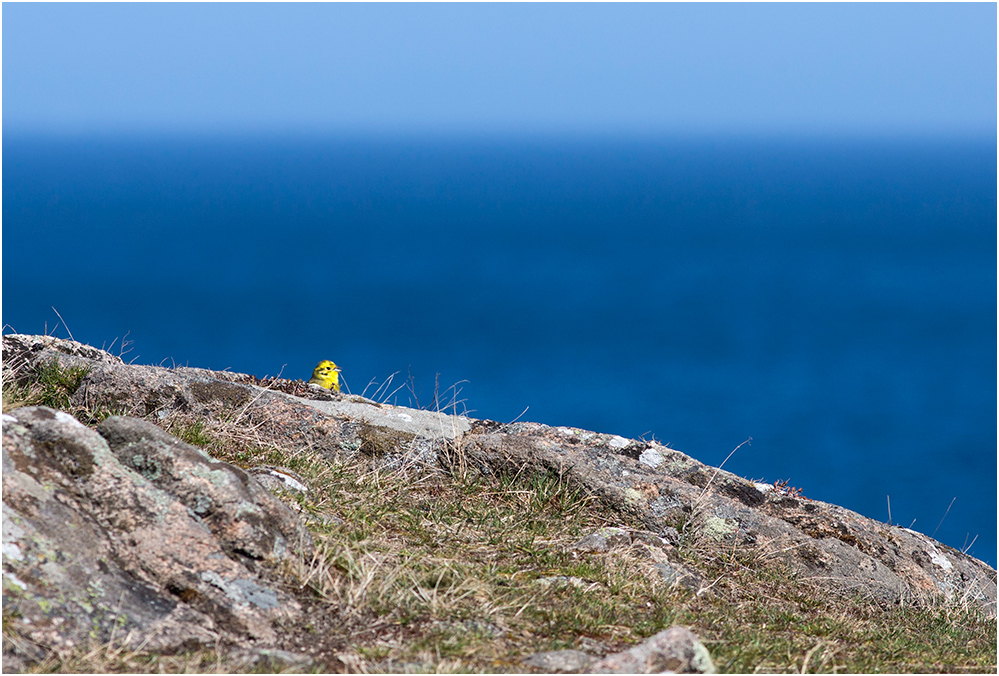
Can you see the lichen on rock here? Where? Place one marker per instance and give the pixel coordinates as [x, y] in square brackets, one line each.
[93, 549]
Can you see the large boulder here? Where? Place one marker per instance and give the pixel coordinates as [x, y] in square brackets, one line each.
[137, 538]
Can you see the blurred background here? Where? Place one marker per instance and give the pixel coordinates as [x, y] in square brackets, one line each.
[695, 223]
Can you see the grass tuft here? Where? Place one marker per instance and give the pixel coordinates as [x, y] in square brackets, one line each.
[50, 384]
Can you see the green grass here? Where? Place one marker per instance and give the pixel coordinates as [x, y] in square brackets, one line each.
[50, 384]
[193, 433]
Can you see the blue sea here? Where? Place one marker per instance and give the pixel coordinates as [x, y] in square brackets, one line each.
[832, 299]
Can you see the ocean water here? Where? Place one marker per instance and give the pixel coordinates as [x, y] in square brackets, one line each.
[831, 299]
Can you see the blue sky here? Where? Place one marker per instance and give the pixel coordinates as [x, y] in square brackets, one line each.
[537, 68]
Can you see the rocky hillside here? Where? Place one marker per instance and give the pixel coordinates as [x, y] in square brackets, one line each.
[161, 519]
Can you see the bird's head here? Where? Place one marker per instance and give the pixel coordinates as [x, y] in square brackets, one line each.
[324, 368]
[326, 374]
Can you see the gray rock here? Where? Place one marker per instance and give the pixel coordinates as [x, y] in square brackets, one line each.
[96, 551]
[676, 574]
[604, 540]
[651, 457]
[675, 650]
[249, 522]
[559, 662]
[400, 419]
[277, 479]
[652, 540]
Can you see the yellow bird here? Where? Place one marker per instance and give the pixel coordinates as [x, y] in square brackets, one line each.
[326, 374]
